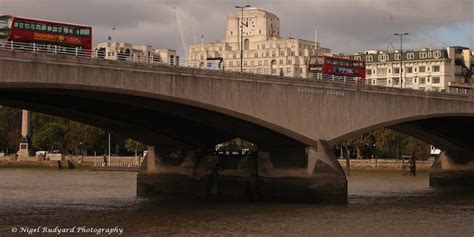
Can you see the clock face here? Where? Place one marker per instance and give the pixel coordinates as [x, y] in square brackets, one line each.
[249, 26]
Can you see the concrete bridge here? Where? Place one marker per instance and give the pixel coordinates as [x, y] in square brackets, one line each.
[292, 121]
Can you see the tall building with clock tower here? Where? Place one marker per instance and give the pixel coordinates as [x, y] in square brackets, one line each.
[265, 50]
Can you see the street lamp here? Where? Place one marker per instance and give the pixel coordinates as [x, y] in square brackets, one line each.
[242, 36]
[401, 56]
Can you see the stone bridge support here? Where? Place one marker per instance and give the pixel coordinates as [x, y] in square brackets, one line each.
[315, 176]
[454, 169]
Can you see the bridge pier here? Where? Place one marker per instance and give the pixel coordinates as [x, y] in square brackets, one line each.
[254, 177]
[453, 169]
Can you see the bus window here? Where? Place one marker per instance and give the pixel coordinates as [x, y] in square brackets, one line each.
[21, 25]
[38, 27]
[15, 24]
[66, 30]
[5, 23]
[43, 27]
[50, 28]
[27, 25]
[55, 29]
[87, 32]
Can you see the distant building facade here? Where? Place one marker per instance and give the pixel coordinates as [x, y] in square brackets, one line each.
[126, 51]
[425, 69]
[265, 51]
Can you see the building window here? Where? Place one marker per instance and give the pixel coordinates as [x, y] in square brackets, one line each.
[259, 62]
[396, 56]
[292, 53]
[422, 69]
[288, 70]
[382, 81]
[282, 53]
[396, 70]
[383, 57]
[281, 61]
[381, 71]
[435, 68]
[267, 54]
[256, 55]
[437, 54]
[436, 80]
[246, 44]
[265, 62]
[409, 69]
[358, 58]
[274, 54]
[263, 46]
[423, 55]
[415, 80]
[289, 61]
[422, 80]
[231, 64]
[410, 56]
[368, 72]
[231, 33]
[369, 58]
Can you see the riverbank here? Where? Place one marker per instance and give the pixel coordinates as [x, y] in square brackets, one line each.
[95, 163]
[43, 165]
[132, 163]
[384, 164]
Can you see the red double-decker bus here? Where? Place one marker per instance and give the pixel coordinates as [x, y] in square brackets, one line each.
[324, 67]
[42, 32]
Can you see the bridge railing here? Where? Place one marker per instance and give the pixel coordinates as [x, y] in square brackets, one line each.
[340, 79]
[85, 53]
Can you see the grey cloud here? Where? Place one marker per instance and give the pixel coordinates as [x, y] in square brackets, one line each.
[343, 25]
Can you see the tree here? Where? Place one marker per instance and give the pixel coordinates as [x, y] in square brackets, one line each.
[10, 129]
[132, 145]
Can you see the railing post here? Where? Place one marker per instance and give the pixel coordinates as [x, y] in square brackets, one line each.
[77, 51]
[11, 45]
[34, 47]
[55, 49]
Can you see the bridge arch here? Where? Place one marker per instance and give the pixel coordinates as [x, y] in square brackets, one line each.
[447, 131]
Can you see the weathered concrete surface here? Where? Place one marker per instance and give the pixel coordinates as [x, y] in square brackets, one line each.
[271, 111]
[245, 178]
[186, 109]
[453, 169]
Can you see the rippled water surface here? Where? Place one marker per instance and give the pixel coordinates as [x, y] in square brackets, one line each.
[380, 204]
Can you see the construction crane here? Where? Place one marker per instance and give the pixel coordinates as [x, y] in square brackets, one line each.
[181, 32]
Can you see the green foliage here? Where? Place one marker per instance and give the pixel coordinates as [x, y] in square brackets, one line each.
[237, 144]
[131, 145]
[10, 129]
[386, 143]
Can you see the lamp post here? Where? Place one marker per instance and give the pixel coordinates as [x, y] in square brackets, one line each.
[401, 56]
[242, 36]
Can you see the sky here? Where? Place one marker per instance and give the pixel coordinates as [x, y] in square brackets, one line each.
[342, 25]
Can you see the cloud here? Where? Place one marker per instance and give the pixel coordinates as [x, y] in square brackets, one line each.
[343, 25]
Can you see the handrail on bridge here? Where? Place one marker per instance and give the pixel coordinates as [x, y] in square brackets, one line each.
[86, 53]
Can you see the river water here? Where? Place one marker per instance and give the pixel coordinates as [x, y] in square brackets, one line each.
[380, 204]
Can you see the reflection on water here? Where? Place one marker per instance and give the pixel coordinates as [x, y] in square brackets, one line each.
[380, 204]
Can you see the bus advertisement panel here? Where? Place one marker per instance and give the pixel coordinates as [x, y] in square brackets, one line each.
[327, 66]
[20, 29]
